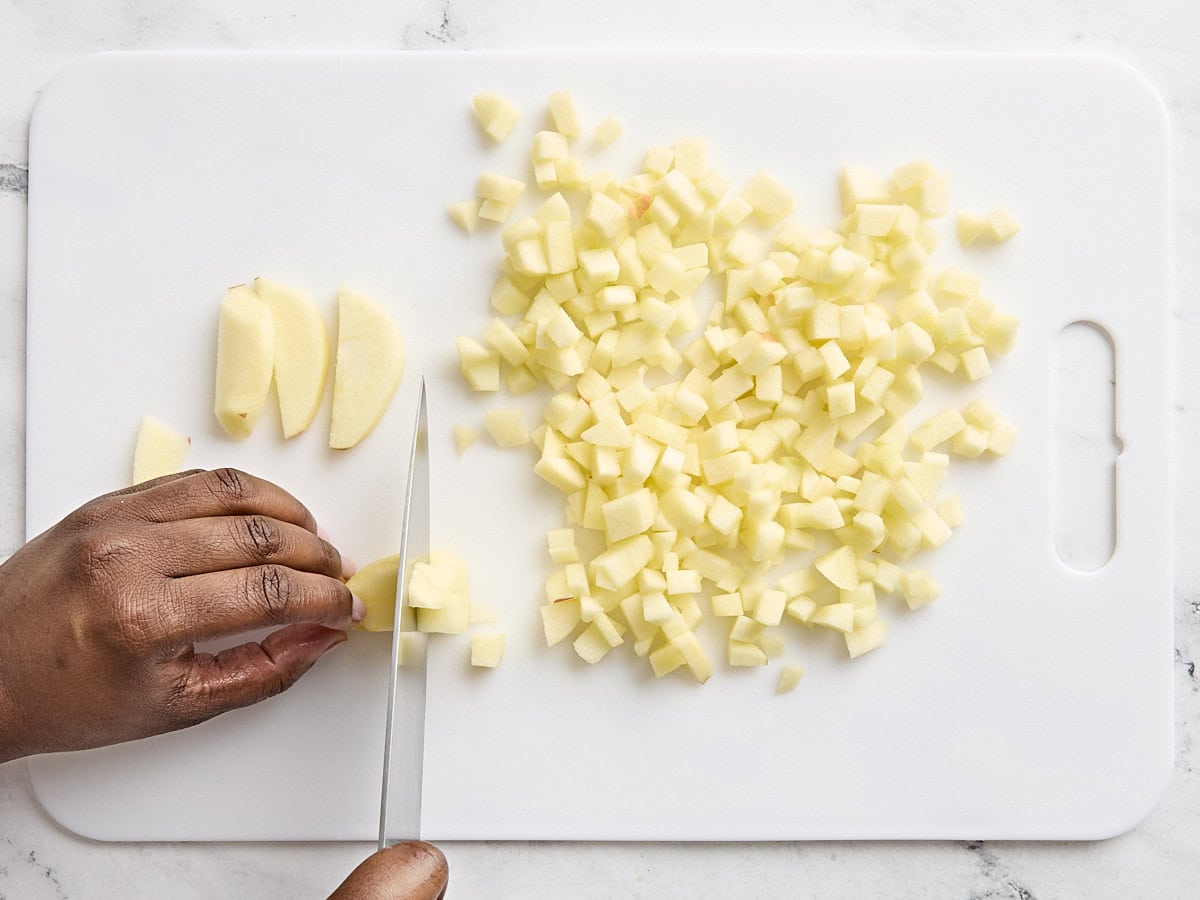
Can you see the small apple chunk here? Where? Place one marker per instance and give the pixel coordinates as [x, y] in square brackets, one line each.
[301, 353]
[487, 650]
[454, 615]
[160, 450]
[245, 360]
[496, 114]
[370, 362]
[789, 678]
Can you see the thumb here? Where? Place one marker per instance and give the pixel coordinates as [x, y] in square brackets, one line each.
[412, 870]
[250, 672]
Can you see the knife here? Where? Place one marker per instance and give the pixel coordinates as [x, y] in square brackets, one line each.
[404, 748]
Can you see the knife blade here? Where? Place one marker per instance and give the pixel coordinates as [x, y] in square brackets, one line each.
[404, 748]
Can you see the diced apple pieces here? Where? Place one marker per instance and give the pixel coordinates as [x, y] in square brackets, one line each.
[370, 363]
[867, 638]
[245, 360]
[919, 587]
[160, 450]
[560, 619]
[480, 366]
[564, 113]
[561, 543]
[499, 188]
[783, 429]
[465, 214]
[506, 426]
[496, 115]
[607, 131]
[454, 615]
[427, 586]
[1001, 225]
[487, 650]
[996, 226]
[438, 593]
[789, 679]
[464, 437]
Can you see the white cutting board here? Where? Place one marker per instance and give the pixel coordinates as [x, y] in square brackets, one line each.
[1030, 701]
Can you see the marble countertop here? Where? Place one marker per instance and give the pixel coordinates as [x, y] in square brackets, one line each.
[1158, 859]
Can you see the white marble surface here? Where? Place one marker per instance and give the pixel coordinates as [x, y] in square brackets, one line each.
[1161, 858]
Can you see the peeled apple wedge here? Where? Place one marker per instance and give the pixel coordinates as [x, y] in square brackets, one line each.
[301, 353]
[245, 360]
[160, 450]
[370, 362]
[375, 585]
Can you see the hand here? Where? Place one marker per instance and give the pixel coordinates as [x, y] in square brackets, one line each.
[413, 870]
[98, 615]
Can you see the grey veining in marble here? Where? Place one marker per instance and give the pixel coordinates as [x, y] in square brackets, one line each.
[14, 179]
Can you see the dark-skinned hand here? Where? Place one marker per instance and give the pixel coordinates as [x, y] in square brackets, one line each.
[101, 613]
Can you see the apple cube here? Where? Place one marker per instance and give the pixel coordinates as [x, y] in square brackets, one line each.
[496, 114]
[607, 130]
[867, 638]
[560, 619]
[487, 650]
[564, 113]
[769, 199]
[630, 515]
[1001, 225]
[742, 653]
[506, 427]
[937, 429]
[840, 567]
[465, 214]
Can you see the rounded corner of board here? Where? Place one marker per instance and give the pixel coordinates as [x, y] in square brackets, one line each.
[1141, 806]
[61, 816]
[1124, 72]
[57, 90]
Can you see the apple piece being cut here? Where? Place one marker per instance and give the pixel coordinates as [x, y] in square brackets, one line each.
[375, 585]
[245, 360]
[301, 353]
[160, 450]
[370, 361]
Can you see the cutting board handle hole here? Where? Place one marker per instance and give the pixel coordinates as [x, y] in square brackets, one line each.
[1086, 446]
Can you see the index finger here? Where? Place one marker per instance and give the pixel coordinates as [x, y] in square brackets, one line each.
[219, 492]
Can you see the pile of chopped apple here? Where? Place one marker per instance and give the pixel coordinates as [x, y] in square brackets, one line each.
[756, 455]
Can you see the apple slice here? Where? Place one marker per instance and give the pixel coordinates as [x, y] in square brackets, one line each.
[370, 361]
[245, 360]
[160, 450]
[375, 585]
[301, 353]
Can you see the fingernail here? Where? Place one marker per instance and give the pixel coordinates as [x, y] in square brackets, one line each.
[360, 610]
